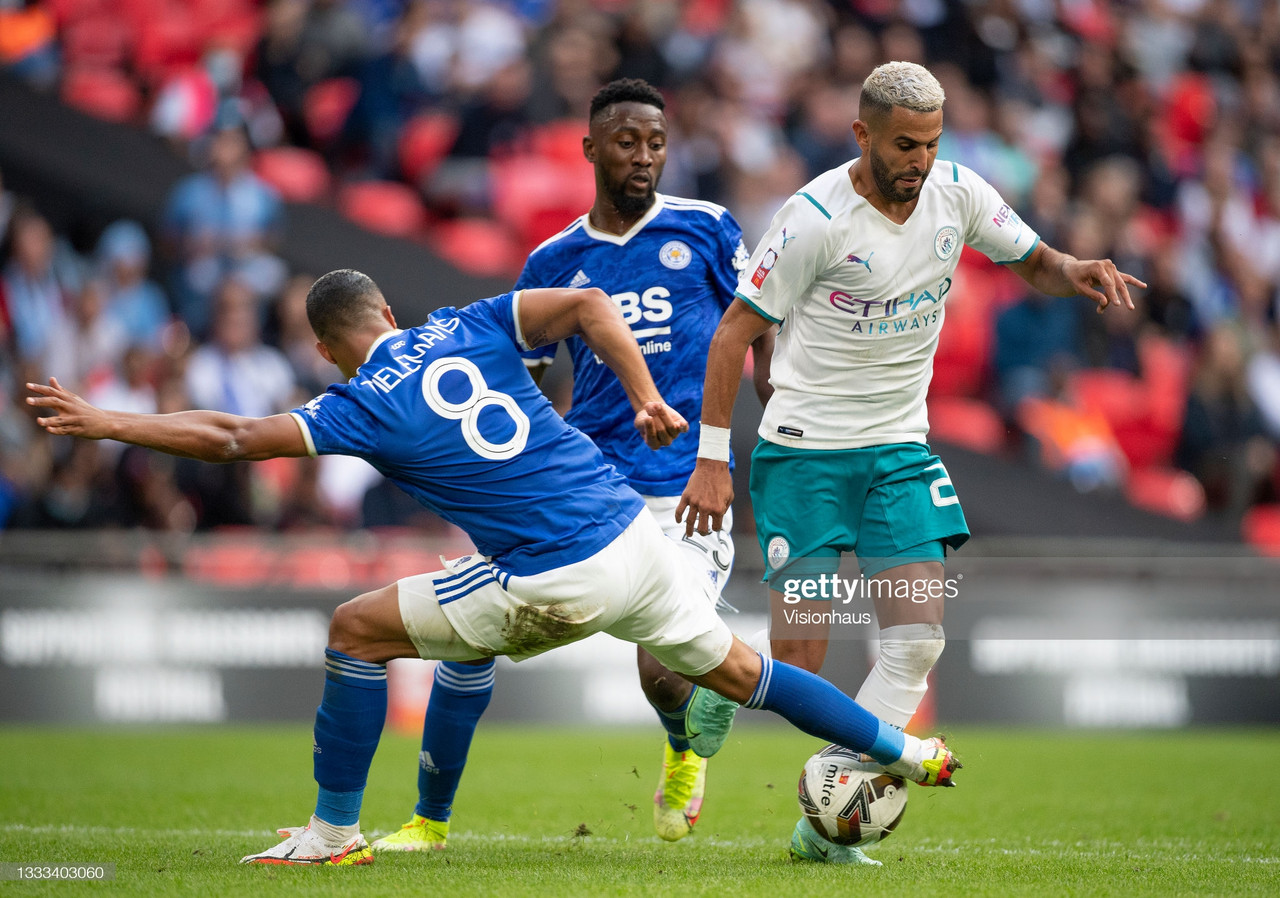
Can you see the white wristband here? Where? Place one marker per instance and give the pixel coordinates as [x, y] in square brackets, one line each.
[714, 443]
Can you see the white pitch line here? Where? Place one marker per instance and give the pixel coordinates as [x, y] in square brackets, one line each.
[1052, 848]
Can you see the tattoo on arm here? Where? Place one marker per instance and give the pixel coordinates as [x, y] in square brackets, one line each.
[536, 339]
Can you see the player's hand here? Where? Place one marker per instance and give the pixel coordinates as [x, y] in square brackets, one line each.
[72, 415]
[707, 496]
[1101, 281]
[660, 424]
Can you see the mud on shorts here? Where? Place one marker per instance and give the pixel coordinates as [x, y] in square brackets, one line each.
[640, 588]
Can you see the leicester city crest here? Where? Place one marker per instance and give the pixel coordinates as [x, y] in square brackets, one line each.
[946, 243]
[675, 254]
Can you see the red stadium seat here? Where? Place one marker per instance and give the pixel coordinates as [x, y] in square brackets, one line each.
[561, 141]
[101, 40]
[478, 246]
[326, 106]
[168, 41]
[537, 197]
[299, 174]
[966, 422]
[387, 207]
[424, 142]
[1261, 528]
[103, 93]
[1171, 492]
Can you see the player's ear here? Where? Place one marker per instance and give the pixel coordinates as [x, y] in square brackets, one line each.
[389, 316]
[325, 353]
[861, 134]
[589, 149]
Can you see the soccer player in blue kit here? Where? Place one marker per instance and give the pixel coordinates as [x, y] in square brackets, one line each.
[671, 265]
[566, 548]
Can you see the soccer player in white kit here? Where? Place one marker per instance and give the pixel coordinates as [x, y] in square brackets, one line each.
[857, 267]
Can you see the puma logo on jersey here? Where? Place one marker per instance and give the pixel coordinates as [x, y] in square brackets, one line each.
[866, 263]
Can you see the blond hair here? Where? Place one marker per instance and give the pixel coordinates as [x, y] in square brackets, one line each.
[903, 84]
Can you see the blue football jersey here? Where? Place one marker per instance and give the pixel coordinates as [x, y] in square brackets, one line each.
[673, 275]
[449, 413]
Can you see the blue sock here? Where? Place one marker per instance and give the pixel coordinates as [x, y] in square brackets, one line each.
[674, 723]
[820, 709]
[459, 696]
[348, 725]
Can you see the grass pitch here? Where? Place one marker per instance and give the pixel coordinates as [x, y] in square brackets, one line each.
[550, 812]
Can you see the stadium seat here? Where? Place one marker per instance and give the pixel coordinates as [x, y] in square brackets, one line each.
[387, 207]
[166, 42]
[326, 105]
[100, 40]
[1261, 528]
[964, 343]
[969, 423]
[1171, 492]
[537, 197]
[561, 141]
[477, 246]
[103, 93]
[425, 140]
[299, 174]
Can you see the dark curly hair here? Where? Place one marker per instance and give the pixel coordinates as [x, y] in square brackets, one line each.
[626, 90]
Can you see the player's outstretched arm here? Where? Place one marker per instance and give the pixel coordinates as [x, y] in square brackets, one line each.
[709, 492]
[549, 315]
[204, 435]
[1059, 274]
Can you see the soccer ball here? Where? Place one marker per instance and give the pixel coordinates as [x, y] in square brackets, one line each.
[849, 798]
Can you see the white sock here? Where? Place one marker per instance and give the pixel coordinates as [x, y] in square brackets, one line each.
[331, 833]
[897, 683]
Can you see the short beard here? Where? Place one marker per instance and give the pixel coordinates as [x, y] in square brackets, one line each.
[631, 206]
[886, 182]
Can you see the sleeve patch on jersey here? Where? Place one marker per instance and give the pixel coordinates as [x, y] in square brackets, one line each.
[766, 265]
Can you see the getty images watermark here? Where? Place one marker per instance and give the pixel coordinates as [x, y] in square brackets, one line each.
[850, 602]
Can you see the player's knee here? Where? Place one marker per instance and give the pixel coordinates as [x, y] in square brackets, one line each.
[663, 688]
[917, 654]
[349, 628]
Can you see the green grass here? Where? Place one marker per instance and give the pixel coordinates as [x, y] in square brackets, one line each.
[1036, 813]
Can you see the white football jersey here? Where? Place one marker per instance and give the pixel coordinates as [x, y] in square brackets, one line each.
[861, 300]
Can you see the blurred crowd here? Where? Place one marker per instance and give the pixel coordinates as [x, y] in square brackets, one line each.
[1146, 131]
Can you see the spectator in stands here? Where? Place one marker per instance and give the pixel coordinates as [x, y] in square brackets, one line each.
[28, 42]
[1224, 440]
[38, 284]
[133, 300]
[91, 345]
[235, 371]
[221, 221]
[296, 340]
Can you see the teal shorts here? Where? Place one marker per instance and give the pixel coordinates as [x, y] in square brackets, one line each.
[890, 505]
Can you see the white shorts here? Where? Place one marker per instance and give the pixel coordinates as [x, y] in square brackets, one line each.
[713, 553]
[639, 588]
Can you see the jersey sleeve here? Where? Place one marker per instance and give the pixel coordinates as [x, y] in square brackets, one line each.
[334, 424]
[994, 229]
[786, 260]
[531, 277]
[730, 259]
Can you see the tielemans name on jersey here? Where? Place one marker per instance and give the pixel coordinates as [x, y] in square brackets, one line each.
[387, 379]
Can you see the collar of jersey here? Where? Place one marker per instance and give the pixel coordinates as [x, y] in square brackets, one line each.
[373, 347]
[621, 239]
